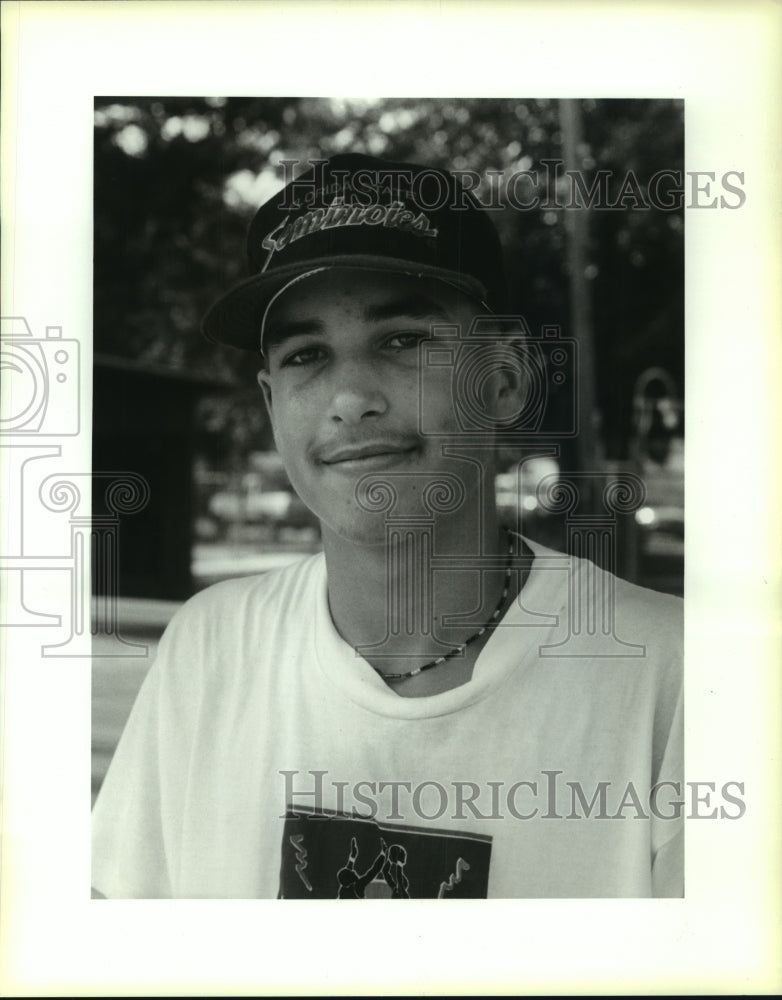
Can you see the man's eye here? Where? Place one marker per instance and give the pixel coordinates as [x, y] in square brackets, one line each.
[405, 340]
[304, 356]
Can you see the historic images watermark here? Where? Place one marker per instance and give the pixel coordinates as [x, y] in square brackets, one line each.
[461, 363]
[549, 187]
[41, 407]
[546, 795]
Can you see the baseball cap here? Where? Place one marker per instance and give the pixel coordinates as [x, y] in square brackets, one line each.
[361, 212]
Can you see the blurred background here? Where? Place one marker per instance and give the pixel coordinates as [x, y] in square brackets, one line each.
[176, 183]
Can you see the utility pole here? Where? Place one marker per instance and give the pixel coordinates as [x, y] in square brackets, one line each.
[577, 233]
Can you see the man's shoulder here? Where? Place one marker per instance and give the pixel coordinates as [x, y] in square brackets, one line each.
[283, 587]
[655, 603]
[656, 607]
[650, 617]
[642, 609]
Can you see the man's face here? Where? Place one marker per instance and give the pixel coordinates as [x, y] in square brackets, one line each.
[342, 387]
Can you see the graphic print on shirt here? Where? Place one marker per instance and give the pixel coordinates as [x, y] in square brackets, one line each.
[331, 855]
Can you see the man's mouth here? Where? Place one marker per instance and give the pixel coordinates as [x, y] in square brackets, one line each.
[368, 455]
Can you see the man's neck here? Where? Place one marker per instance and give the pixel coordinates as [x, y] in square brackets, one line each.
[391, 601]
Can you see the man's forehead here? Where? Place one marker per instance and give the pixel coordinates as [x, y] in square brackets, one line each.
[367, 292]
[370, 296]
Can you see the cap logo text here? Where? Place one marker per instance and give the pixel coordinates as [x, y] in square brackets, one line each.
[338, 214]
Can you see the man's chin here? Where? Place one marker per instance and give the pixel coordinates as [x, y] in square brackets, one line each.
[366, 532]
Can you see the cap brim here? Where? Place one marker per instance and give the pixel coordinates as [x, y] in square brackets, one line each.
[236, 318]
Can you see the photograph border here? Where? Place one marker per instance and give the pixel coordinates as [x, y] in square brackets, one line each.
[724, 936]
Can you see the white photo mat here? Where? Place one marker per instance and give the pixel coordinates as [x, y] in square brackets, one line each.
[724, 61]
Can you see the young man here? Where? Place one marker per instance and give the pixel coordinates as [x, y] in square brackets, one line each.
[452, 708]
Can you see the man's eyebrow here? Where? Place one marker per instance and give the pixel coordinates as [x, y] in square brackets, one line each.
[415, 306]
[412, 306]
[275, 333]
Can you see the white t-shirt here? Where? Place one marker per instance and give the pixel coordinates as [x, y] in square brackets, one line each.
[264, 758]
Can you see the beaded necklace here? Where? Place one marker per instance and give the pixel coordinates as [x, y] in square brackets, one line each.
[462, 646]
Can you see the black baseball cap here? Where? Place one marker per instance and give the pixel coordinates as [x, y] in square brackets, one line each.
[362, 212]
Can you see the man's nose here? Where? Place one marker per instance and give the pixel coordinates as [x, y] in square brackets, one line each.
[356, 395]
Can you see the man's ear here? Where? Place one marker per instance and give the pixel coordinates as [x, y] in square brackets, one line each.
[265, 383]
[511, 383]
